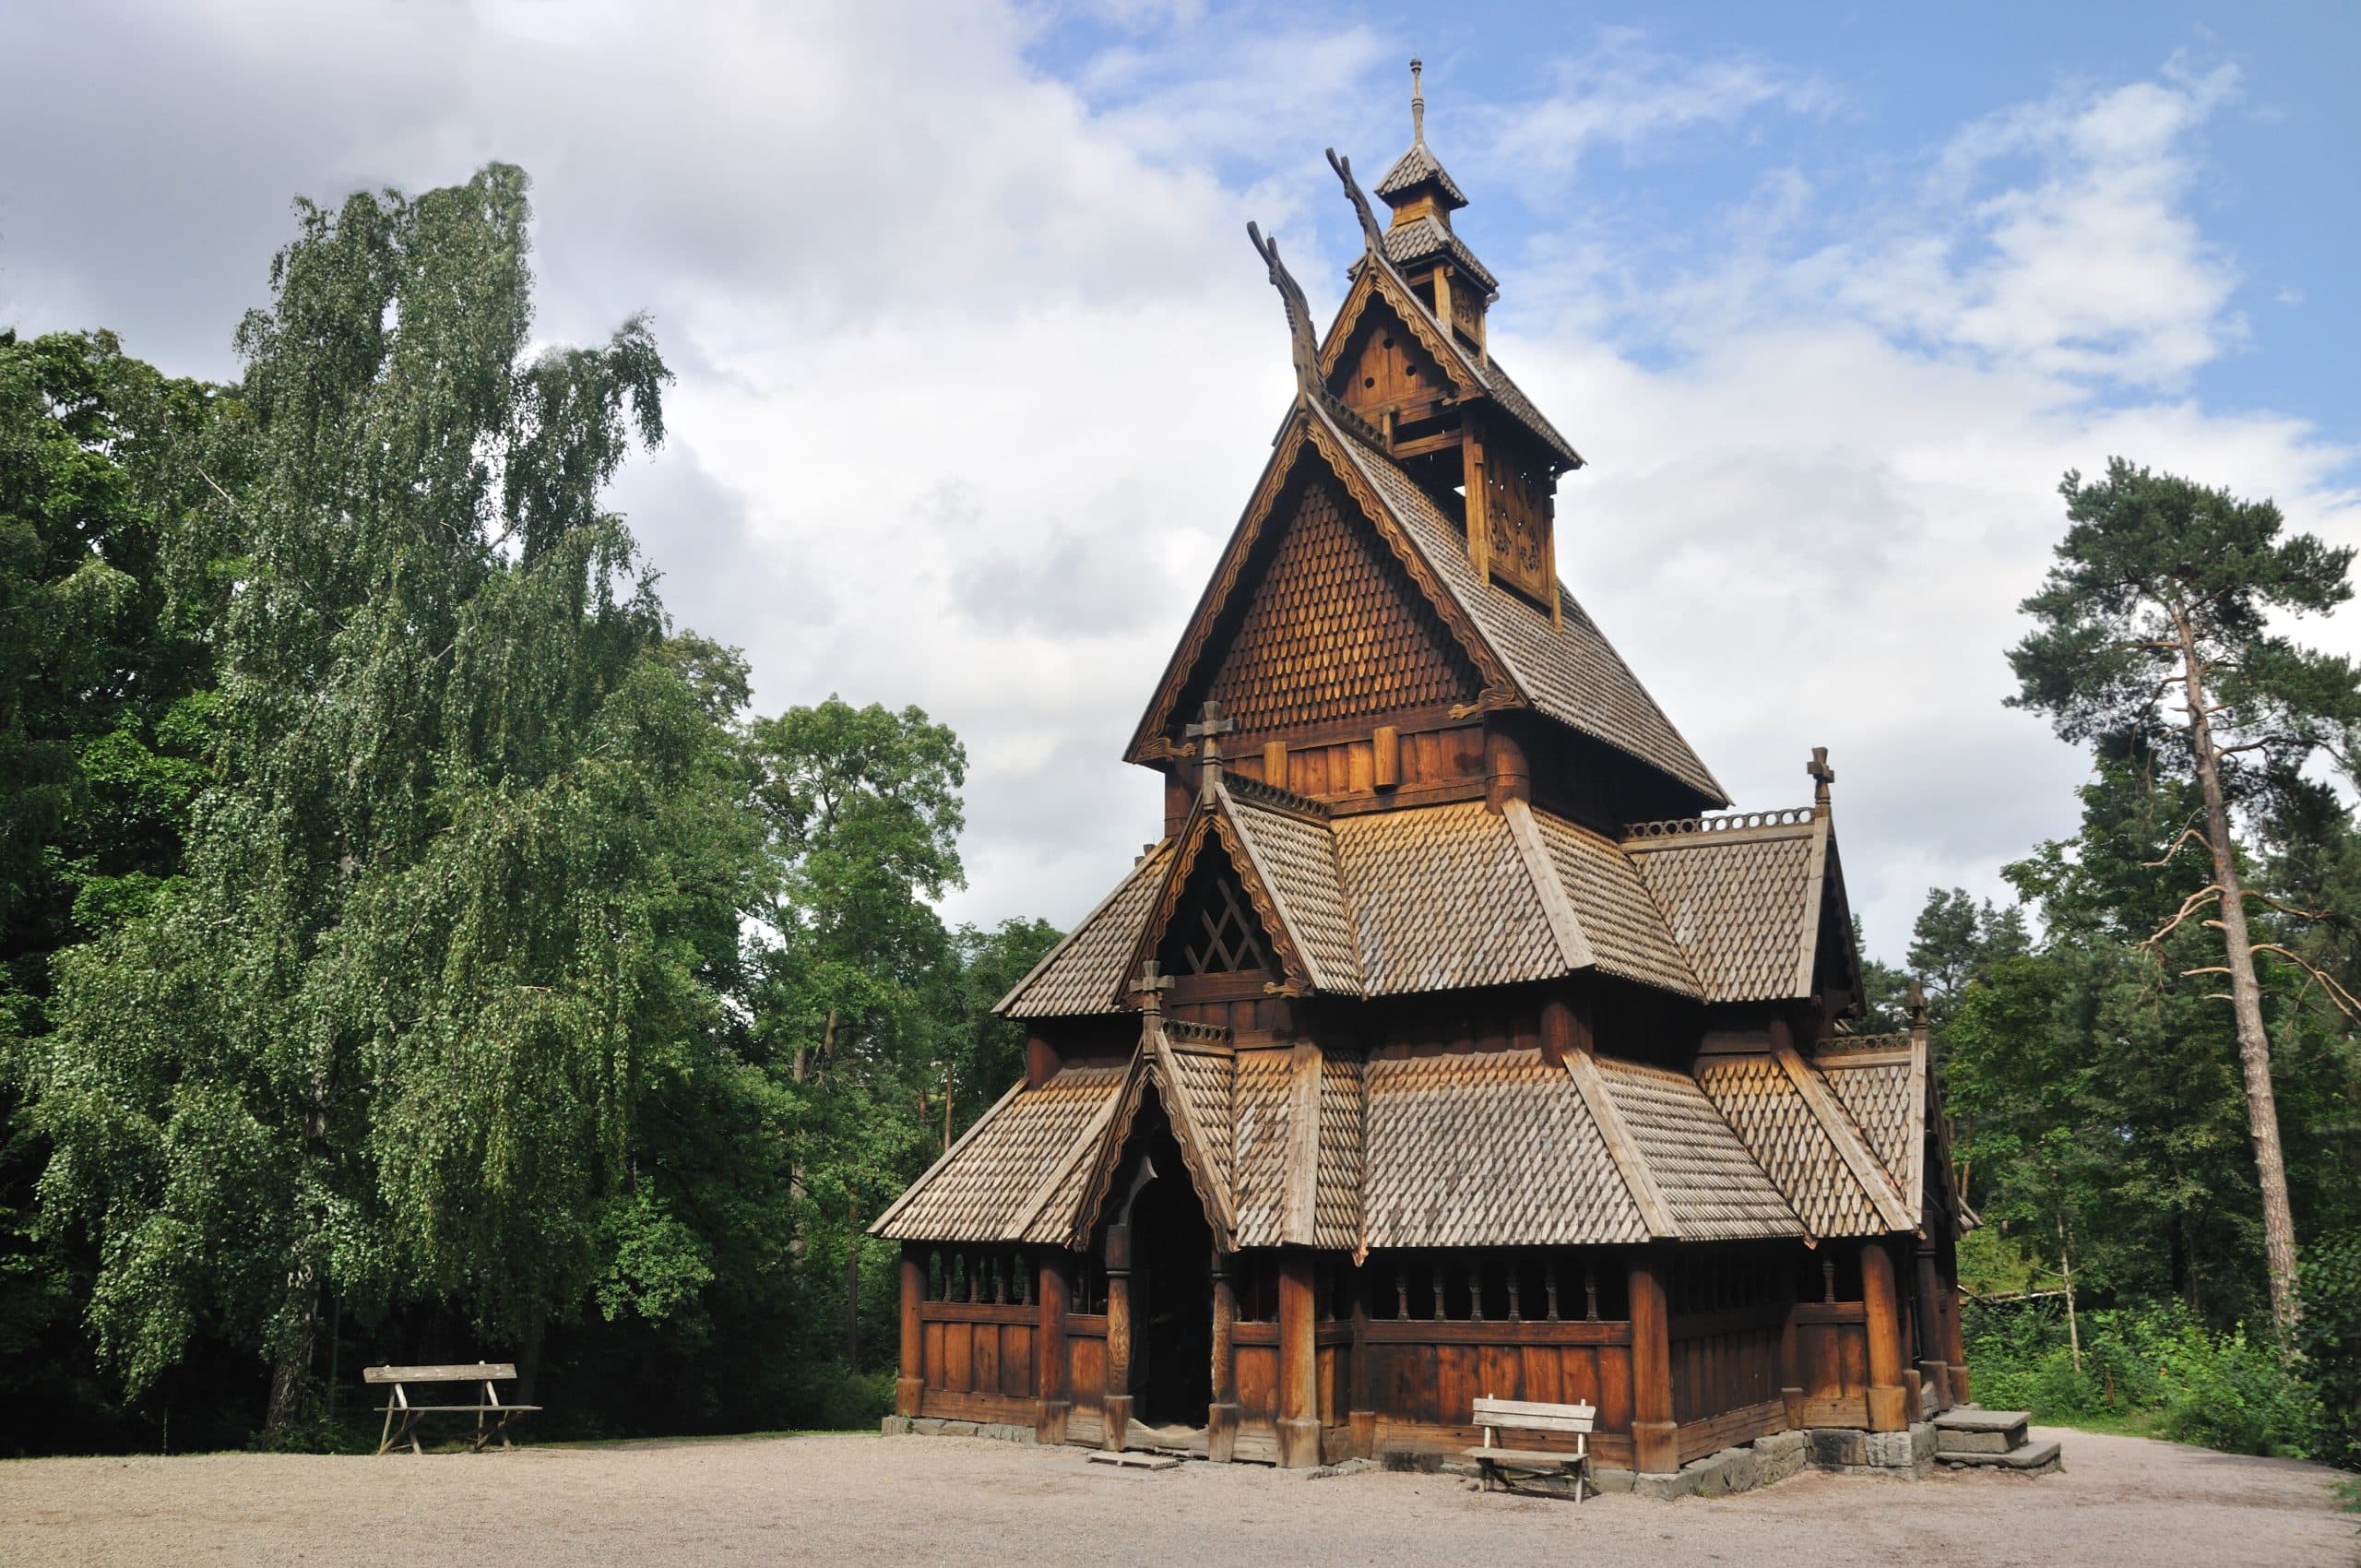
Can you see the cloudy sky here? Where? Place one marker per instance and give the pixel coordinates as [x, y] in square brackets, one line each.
[976, 367]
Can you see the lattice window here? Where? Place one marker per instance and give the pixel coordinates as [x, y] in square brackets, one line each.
[1224, 940]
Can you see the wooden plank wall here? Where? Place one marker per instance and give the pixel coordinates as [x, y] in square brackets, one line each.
[975, 1361]
[1725, 1377]
[1832, 1362]
[1424, 1377]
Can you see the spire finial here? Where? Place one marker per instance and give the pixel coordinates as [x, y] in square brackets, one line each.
[1418, 105]
[1823, 776]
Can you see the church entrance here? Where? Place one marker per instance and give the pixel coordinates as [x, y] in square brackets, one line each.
[1173, 1307]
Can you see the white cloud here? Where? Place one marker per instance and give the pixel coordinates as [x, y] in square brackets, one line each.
[1618, 92]
[977, 369]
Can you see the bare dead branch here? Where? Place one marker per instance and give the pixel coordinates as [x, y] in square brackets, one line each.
[2188, 906]
[2343, 1000]
[2186, 835]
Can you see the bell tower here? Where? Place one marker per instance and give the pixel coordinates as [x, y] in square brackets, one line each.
[1415, 364]
[1420, 241]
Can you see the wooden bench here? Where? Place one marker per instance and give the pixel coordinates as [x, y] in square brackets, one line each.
[1518, 1415]
[399, 1403]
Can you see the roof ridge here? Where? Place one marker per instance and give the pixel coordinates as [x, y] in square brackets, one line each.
[1719, 824]
[1258, 792]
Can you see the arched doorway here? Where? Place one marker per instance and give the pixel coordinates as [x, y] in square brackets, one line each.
[1172, 1247]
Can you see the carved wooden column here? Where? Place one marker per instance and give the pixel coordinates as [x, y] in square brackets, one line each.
[1655, 1446]
[1361, 1411]
[1954, 1344]
[1510, 776]
[909, 1386]
[1791, 1361]
[1882, 1309]
[1117, 1405]
[1221, 1417]
[1299, 1362]
[1049, 1347]
[1934, 1365]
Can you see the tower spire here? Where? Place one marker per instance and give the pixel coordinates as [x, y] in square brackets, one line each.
[1418, 105]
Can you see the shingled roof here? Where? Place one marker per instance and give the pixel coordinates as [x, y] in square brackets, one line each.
[1409, 243]
[1740, 896]
[1417, 167]
[1566, 671]
[1696, 910]
[1288, 1146]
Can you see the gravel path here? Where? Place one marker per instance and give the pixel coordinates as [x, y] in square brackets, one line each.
[911, 1500]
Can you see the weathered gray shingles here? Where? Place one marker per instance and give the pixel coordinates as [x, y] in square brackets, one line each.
[1737, 905]
[1302, 859]
[1614, 908]
[1336, 1210]
[1757, 1097]
[1572, 674]
[1084, 973]
[1713, 1186]
[974, 1192]
[1264, 1095]
[1496, 1150]
[1423, 237]
[1416, 167]
[1206, 1086]
[1879, 1098]
[1486, 926]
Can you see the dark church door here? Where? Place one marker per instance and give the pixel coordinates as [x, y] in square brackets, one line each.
[1172, 1247]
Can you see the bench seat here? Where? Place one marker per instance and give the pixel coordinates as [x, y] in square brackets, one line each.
[1527, 1458]
[1495, 1416]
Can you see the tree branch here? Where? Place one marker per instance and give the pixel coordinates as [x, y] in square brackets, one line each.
[2186, 835]
[2343, 1000]
[2188, 906]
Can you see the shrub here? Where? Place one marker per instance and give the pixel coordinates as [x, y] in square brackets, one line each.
[2222, 1390]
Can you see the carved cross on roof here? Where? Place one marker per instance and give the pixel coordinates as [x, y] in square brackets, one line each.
[1822, 775]
[1208, 730]
[1152, 983]
[1913, 1001]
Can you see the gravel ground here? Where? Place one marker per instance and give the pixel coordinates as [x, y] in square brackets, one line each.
[967, 1502]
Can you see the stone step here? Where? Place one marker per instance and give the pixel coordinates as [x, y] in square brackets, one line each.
[1969, 1431]
[2027, 1458]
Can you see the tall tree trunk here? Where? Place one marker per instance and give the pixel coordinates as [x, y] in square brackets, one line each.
[291, 1366]
[2245, 1001]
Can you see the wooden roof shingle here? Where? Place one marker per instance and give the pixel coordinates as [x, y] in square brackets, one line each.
[1492, 1150]
[1710, 1183]
[1085, 973]
[1740, 897]
[1785, 1134]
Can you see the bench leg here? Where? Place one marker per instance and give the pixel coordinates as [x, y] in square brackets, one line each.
[385, 1434]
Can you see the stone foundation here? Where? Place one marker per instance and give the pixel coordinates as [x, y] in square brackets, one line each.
[1763, 1462]
[934, 1426]
[1908, 1456]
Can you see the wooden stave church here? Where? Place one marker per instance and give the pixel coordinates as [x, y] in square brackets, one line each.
[1454, 1039]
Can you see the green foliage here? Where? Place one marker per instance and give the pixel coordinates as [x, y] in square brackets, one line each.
[2333, 1343]
[2154, 1367]
[2147, 554]
[461, 894]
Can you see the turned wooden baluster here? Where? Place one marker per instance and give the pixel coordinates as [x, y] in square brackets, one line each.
[1828, 1280]
[1549, 1283]
[1440, 1312]
[1517, 1313]
[1401, 1294]
[1590, 1295]
[1476, 1294]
